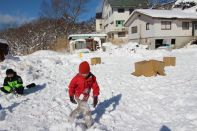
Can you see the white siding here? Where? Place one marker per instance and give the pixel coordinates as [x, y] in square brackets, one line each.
[176, 29]
[110, 16]
[99, 25]
[155, 28]
[141, 22]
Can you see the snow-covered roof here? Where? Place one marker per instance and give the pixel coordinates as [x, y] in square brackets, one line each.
[83, 40]
[168, 14]
[89, 35]
[3, 41]
[191, 10]
[184, 1]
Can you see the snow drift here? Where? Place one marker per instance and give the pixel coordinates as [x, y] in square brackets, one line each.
[127, 103]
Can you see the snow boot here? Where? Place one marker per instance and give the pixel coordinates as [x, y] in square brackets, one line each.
[31, 85]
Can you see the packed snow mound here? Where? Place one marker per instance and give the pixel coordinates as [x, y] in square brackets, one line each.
[126, 102]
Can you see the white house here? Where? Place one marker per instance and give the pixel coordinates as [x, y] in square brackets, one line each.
[162, 27]
[113, 16]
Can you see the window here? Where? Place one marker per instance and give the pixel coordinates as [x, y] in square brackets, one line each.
[121, 34]
[100, 26]
[134, 29]
[147, 26]
[80, 45]
[121, 10]
[173, 41]
[166, 25]
[195, 26]
[185, 25]
[119, 23]
[131, 11]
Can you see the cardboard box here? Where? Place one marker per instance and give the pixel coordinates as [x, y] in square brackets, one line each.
[95, 61]
[149, 68]
[144, 68]
[158, 67]
[169, 61]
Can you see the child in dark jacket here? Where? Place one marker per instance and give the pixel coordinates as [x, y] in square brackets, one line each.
[79, 92]
[12, 83]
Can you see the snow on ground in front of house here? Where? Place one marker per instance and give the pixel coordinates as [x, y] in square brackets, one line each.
[127, 103]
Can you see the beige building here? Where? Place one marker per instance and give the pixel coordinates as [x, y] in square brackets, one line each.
[113, 16]
[158, 28]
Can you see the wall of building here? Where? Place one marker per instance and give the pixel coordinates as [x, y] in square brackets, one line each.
[110, 16]
[148, 37]
[176, 28]
[140, 21]
[180, 41]
[99, 25]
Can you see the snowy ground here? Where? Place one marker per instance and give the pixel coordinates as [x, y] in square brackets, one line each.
[127, 103]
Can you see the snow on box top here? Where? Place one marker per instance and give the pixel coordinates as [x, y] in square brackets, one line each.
[167, 13]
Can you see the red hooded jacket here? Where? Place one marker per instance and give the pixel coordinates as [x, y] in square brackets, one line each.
[80, 86]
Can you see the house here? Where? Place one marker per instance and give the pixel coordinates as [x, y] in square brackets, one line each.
[4, 49]
[162, 27]
[90, 42]
[114, 14]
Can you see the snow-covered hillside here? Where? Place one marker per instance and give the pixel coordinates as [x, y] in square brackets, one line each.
[127, 103]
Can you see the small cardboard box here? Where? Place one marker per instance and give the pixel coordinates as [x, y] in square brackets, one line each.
[169, 61]
[95, 61]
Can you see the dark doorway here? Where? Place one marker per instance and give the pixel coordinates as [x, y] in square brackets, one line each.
[194, 28]
[4, 49]
[173, 41]
[158, 43]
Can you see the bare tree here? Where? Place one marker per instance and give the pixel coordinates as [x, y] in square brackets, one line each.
[66, 11]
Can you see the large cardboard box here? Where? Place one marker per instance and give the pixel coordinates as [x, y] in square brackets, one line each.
[149, 68]
[144, 68]
[95, 60]
[169, 61]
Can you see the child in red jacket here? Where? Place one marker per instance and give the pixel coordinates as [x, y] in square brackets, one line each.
[79, 92]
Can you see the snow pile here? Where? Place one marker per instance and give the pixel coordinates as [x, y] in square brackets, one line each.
[127, 103]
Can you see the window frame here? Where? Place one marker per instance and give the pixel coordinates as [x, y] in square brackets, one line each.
[166, 23]
[187, 25]
[122, 35]
[147, 26]
[120, 22]
[121, 10]
[134, 30]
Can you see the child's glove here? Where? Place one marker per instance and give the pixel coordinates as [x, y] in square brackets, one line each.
[72, 100]
[95, 101]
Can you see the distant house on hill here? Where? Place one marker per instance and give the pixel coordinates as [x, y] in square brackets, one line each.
[158, 28]
[114, 14]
